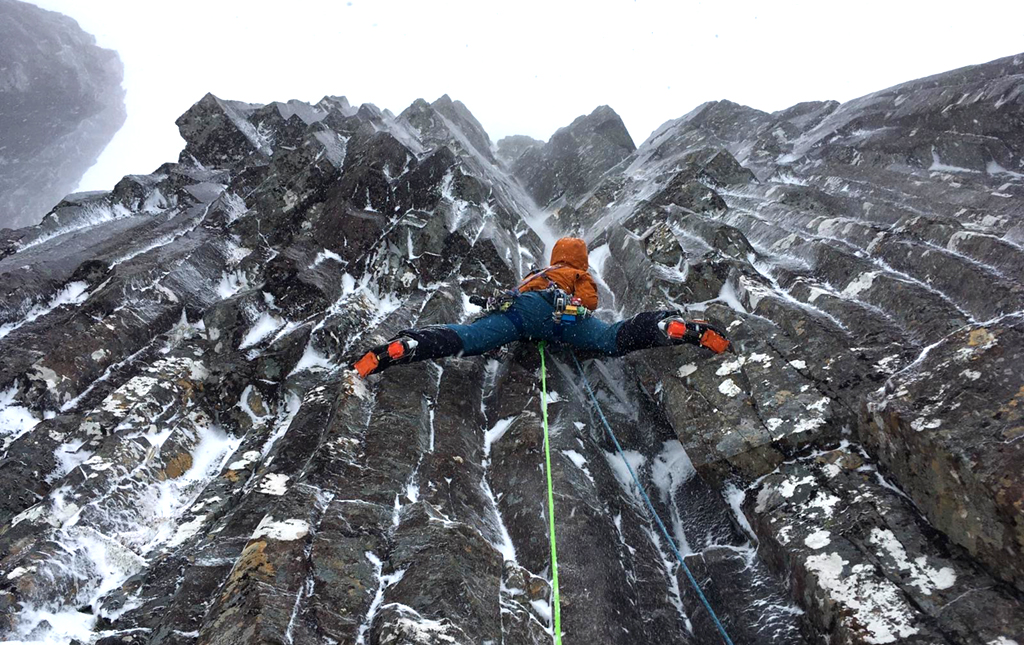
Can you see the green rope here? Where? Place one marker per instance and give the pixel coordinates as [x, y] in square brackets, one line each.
[551, 500]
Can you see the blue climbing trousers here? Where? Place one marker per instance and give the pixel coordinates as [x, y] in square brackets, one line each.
[529, 318]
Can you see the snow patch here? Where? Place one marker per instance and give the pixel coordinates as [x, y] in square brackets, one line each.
[231, 283]
[619, 468]
[266, 325]
[730, 367]
[285, 531]
[671, 469]
[73, 293]
[818, 540]
[938, 166]
[274, 484]
[385, 581]
[249, 458]
[921, 423]
[15, 420]
[727, 294]
[185, 531]
[496, 433]
[826, 502]
[735, 495]
[312, 358]
[686, 370]
[729, 388]
[789, 486]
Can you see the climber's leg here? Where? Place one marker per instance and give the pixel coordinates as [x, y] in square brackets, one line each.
[485, 334]
[410, 346]
[591, 334]
[661, 328]
[642, 332]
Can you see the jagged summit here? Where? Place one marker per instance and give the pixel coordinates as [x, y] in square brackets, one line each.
[188, 461]
[62, 103]
[574, 158]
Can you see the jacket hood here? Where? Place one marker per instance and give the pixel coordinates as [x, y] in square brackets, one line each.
[571, 251]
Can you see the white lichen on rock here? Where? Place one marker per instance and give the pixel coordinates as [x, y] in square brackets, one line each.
[876, 607]
[927, 579]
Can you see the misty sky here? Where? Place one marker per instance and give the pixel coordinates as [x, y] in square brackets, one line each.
[522, 67]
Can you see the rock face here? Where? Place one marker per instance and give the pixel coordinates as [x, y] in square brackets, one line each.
[189, 462]
[568, 165]
[62, 103]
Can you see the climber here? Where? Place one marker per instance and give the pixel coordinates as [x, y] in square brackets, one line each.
[554, 304]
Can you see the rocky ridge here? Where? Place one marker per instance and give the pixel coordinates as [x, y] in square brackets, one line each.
[62, 104]
[186, 452]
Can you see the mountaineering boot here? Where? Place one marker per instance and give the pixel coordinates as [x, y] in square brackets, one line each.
[386, 355]
[409, 346]
[664, 328]
[641, 331]
[697, 332]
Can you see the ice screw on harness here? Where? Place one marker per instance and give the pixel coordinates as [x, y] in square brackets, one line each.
[555, 602]
[647, 500]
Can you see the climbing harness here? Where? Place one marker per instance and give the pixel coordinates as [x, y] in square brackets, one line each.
[498, 302]
[555, 602]
[647, 500]
[568, 310]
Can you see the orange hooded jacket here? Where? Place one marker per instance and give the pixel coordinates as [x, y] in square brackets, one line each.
[568, 270]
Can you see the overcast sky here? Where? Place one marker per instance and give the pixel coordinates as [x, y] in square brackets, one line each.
[523, 66]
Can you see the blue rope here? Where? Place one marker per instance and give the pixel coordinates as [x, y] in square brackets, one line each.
[650, 506]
